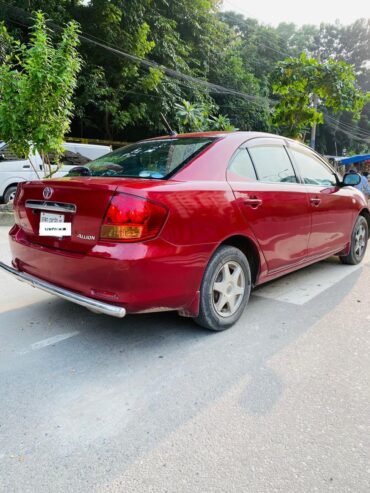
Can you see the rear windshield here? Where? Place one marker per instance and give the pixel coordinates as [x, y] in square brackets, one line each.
[157, 159]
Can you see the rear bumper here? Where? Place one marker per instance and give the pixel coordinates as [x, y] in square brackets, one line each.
[93, 305]
[151, 276]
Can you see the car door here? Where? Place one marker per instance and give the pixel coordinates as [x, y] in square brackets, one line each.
[273, 202]
[12, 168]
[37, 166]
[332, 207]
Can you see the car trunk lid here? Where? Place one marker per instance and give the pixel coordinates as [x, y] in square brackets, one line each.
[81, 202]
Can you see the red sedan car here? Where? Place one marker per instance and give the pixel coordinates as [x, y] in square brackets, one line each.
[188, 223]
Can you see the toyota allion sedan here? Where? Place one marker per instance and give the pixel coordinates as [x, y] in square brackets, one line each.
[189, 223]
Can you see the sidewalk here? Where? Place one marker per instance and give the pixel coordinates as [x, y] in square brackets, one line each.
[6, 215]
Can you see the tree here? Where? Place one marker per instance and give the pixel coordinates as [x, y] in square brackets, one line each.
[298, 81]
[120, 99]
[350, 44]
[36, 88]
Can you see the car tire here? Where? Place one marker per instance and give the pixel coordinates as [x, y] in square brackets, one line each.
[225, 289]
[9, 194]
[359, 238]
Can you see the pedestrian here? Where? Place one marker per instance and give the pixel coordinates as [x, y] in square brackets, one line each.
[363, 186]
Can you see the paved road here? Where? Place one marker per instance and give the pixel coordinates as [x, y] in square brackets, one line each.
[152, 403]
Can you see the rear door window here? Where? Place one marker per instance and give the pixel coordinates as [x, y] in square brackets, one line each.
[272, 164]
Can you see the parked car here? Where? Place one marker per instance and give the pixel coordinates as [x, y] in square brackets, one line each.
[188, 223]
[14, 170]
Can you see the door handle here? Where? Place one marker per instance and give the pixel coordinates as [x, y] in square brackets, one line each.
[253, 202]
[26, 166]
[315, 201]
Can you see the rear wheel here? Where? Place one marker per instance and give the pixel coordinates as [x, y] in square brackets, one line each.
[225, 289]
[359, 239]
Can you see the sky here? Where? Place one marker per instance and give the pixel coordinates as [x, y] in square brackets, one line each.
[313, 12]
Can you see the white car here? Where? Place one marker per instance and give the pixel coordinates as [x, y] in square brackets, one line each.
[14, 170]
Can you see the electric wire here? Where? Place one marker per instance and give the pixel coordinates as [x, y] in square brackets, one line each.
[212, 87]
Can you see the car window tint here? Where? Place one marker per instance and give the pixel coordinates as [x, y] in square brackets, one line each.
[313, 171]
[241, 165]
[272, 164]
[150, 159]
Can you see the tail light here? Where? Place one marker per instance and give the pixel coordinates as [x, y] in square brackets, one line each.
[130, 218]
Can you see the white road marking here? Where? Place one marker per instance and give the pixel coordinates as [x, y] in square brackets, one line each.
[304, 285]
[50, 341]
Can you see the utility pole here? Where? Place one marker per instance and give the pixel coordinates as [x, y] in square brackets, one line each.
[313, 129]
[315, 103]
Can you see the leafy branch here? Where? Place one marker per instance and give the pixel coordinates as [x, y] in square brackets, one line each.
[37, 83]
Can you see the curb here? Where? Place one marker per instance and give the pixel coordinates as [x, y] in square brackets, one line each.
[6, 219]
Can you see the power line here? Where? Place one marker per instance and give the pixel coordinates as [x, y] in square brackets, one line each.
[356, 130]
[212, 87]
[215, 88]
[349, 134]
[337, 127]
[181, 83]
[192, 88]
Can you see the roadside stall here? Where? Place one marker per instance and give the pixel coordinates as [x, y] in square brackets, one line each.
[360, 161]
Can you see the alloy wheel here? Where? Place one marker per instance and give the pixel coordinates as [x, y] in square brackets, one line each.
[360, 241]
[228, 289]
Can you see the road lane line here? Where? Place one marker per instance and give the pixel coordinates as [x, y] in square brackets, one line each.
[50, 341]
[302, 286]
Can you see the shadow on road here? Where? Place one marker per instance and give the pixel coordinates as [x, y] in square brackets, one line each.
[121, 386]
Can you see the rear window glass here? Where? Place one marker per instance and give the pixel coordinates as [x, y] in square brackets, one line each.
[151, 159]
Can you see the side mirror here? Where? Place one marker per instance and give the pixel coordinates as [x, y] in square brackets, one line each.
[351, 179]
[2, 157]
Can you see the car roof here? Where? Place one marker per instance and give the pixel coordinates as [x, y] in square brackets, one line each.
[215, 134]
[242, 136]
[238, 136]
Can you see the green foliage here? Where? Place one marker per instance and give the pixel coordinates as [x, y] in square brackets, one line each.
[298, 81]
[118, 99]
[36, 87]
[191, 117]
[221, 122]
[197, 118]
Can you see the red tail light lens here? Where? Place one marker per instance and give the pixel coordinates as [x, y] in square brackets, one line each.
[130, 218]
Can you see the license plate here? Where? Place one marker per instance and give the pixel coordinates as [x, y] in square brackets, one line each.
[53, 225]
[47, 217]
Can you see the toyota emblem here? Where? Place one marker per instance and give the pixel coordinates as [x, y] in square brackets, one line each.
[47, 192]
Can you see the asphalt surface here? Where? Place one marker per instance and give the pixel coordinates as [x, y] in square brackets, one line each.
[152, 403]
